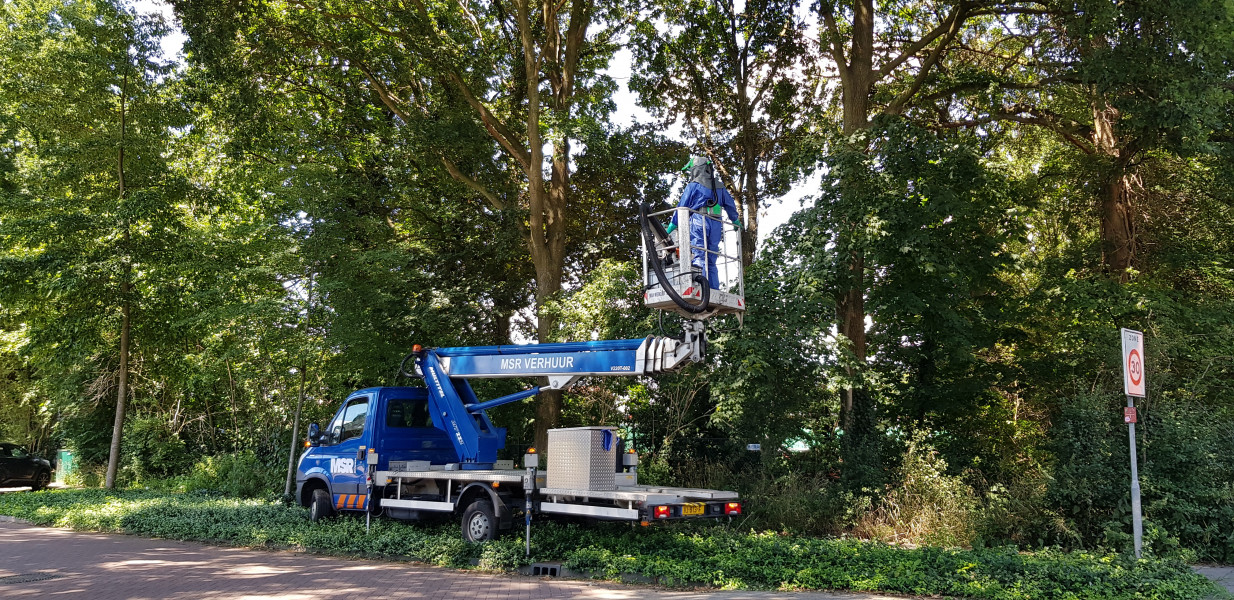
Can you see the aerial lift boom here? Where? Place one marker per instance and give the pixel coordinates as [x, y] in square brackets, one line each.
[672, 285]
[377, 446]
[456, 409]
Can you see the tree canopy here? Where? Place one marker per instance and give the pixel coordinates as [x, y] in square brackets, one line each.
[979, 195]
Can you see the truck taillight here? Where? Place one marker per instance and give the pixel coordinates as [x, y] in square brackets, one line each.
[663, 512]
[732, 508]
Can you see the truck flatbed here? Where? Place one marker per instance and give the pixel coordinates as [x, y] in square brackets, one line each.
[624, 493]
[642, 493]
[630, 502]
[484, 475]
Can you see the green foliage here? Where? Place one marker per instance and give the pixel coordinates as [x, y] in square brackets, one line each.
[152, 451]
[293, 220]
[1184, 472]
[777, 497]
[237, 475]
[1130, 55]
[679, 556]
[738, 77]
[928, 505]
[86, 475]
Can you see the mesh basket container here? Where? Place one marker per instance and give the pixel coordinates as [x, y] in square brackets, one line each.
[582, 458]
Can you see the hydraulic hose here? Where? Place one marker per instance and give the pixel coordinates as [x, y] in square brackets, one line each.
[649, 238]
[402, 367]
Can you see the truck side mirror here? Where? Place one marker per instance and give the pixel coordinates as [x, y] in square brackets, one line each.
[314, 435]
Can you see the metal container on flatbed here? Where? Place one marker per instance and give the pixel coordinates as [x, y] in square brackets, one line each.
[582, 458]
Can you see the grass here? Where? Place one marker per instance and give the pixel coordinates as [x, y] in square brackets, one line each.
[687, 555]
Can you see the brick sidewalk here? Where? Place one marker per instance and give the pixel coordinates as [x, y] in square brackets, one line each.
[37, 562]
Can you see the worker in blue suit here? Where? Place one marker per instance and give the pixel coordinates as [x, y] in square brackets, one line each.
[704, 194]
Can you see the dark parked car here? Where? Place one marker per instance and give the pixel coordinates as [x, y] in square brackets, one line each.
[18, 467]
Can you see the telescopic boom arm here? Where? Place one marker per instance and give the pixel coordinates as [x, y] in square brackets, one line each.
[456, 409]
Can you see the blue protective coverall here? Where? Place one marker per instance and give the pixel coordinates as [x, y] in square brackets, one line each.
[702, 190]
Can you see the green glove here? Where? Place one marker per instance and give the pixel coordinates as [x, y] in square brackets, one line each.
[736, 224]
[671, 228]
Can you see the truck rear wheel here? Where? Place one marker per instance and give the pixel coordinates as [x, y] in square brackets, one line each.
[320, 505]
[479, 522]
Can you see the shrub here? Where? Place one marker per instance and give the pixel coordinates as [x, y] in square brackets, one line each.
[1091, 470]
[85, 475]
[927, 507]
[1185, 477]
[793, 503]
[239, 475]
[152, 451]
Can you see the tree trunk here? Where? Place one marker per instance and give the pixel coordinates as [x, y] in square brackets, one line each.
[548, 278]
[545, 59]
[749, 196]
[117, 431]
[749, 168]
[1117, 227]
[547, 235]
[295, 423]
[860, 451]
[1117, 193]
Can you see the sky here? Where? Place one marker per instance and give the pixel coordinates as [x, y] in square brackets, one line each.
[628, 112]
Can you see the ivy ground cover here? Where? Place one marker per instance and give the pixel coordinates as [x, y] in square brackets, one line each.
[712, 556]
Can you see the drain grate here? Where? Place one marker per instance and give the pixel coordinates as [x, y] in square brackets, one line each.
[28, 577]
[546, 569]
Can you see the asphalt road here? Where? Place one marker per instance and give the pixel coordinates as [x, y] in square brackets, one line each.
[38, 562]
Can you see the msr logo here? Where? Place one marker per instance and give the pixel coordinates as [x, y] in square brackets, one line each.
[342, 466]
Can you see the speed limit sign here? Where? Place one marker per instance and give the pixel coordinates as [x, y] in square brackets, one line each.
[1133, 363]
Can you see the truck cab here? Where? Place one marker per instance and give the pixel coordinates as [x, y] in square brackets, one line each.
[394, 422]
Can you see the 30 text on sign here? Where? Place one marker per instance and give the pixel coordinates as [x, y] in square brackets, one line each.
[1133, 363]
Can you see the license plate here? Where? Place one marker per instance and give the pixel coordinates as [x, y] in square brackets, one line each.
[692, 509]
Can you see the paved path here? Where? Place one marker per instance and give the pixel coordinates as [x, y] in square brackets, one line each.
[37, 562]
[1224, 576]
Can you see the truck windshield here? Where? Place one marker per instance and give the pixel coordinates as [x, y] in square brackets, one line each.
[408, 412]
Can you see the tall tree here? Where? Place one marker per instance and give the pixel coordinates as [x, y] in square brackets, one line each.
[521, 75]
[1113, 80]
[884, 55]
[738, 79]
[92, 210]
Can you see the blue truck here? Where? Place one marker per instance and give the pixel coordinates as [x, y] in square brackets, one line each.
[411, 452]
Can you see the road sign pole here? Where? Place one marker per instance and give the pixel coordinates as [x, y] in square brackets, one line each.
[1134, 385]
[1137, 522]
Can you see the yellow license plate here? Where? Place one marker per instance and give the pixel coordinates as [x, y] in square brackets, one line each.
[692, 508]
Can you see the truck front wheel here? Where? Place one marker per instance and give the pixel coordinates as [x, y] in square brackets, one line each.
[479, 522]
[320, 505]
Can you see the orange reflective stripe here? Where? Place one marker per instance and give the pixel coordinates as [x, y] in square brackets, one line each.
[351, 501]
